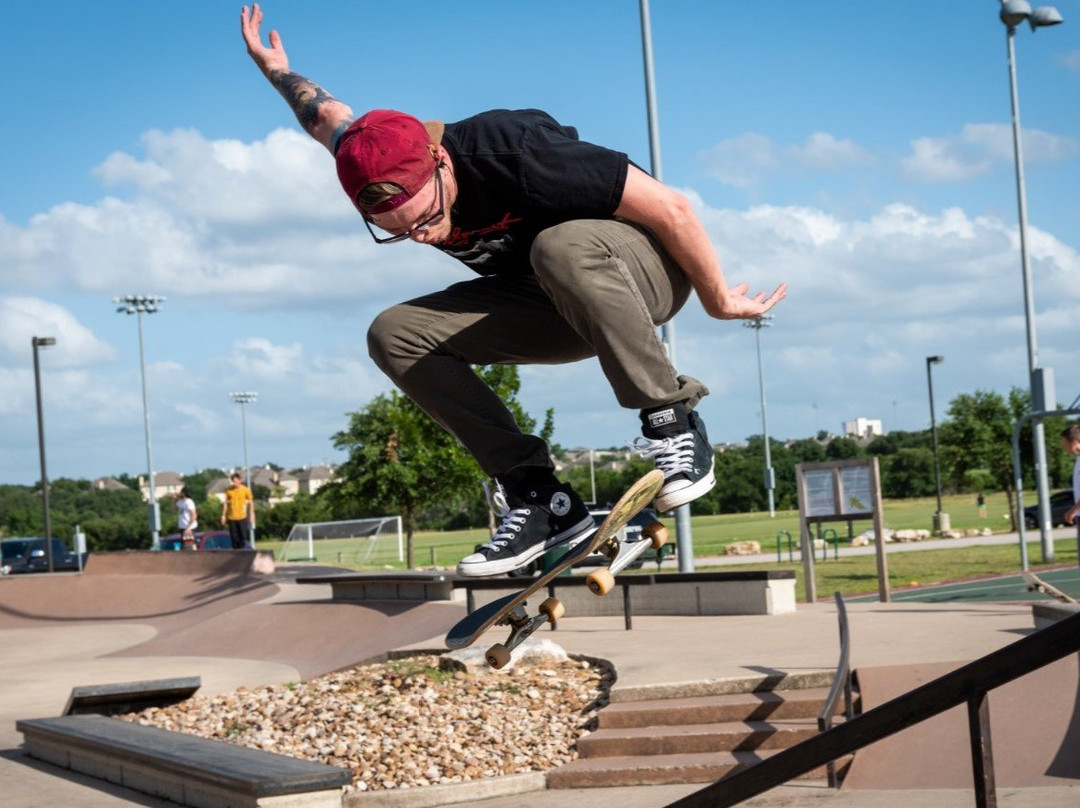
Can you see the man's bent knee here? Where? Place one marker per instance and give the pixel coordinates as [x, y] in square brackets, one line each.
[388, 338]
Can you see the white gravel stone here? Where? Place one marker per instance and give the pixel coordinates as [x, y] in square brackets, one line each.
[408, 723]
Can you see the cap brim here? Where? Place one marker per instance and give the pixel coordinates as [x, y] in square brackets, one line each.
[435, 131]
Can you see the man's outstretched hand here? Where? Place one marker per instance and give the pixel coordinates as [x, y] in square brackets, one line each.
[270, 60]
[738, 306]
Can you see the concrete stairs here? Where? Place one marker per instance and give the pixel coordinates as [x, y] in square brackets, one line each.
[695, 739]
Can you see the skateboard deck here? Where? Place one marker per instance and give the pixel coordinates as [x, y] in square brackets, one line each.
[512, 608]
[1037, 584]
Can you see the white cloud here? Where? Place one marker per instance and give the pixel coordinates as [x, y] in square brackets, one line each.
[1071, 61]
[265, 223]
[24, 317]
[977, 150]
[824, 152]
[741, 161]
[745, 161]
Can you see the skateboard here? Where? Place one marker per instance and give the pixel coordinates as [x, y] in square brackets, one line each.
[511, 609]
[1037, 584]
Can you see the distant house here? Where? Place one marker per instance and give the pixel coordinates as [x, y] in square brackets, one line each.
[166, 483]
[863, 428]
[310, 480]
[217, 488]
[108, 484]
[283, 486]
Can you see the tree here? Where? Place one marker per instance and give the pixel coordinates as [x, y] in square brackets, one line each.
[978, 436]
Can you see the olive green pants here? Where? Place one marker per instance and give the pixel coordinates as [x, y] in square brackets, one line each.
[598, 288]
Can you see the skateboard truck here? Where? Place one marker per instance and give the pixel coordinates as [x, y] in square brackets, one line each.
[522, 626]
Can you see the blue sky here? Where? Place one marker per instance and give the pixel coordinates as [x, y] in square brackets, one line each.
[862, 155]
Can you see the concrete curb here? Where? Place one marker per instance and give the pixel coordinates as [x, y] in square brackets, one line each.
[448, 794]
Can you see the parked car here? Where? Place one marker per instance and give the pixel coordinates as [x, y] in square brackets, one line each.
[1059, 503]
[646, 517]
[22, 554]
[205, 540]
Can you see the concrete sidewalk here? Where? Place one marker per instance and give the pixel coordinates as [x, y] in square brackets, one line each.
[45, 654]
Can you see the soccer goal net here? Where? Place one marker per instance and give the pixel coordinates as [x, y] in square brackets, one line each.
[354, 542]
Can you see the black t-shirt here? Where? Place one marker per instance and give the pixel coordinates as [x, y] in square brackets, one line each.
[519, 172]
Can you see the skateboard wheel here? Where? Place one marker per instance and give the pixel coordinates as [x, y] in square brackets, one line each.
[553, 608]
[497, 656]
[657, 533]
[600, 582]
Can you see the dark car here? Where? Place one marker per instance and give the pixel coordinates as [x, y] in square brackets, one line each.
[23, 554]
[205, 540]
[1059, 504]
[646, 517]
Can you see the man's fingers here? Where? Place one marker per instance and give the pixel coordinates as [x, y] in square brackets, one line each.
[275, 40]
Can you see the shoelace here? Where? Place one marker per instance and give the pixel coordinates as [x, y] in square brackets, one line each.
[673, 455]
[512, 519]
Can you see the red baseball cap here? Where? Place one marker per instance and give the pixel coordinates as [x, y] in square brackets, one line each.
[387, 146]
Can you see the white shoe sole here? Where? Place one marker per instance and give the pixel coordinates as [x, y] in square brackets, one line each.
[478, 565]
[676, 497]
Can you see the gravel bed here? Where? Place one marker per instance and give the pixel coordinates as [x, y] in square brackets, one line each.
[406, 723]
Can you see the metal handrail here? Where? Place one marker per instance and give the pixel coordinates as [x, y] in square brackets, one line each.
[968, 685]
[841, 684]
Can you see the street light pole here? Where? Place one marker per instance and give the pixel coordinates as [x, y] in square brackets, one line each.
[36, 343]
[1014, 12]
[139, 305]
[684, 539]
[757, 324]
[941, 519]
[243, 399]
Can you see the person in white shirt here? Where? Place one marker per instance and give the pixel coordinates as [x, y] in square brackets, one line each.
[187, 517]
[1070, 439]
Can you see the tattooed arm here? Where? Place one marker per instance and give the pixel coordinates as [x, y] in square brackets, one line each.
[322, 116]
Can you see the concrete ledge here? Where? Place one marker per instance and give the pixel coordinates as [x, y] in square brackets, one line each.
[130, 697]
[208, 562]
[1045, 614]
[411, 586]
[801, 680]
[689, 593]
[184, 769]
[449, 794]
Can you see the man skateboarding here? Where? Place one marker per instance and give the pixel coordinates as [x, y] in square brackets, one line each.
[579, 252]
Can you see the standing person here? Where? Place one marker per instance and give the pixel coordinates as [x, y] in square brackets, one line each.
[1070, 440]
[238, 512]
[187, 518]
[980, 500]
[580, 253]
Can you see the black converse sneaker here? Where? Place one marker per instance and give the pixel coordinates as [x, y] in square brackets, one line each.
[675, 439]
[537, 519]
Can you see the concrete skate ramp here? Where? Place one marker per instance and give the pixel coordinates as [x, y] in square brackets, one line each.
[212, 608]
[1034, 723]
[149, 562]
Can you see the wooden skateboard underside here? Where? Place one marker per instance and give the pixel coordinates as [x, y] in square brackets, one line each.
[466, 632]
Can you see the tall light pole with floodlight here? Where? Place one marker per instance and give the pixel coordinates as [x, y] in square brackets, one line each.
[1012, 14]
[941, 519]
[140, 305]
[757, 324]
[37, 343]
[684, 540]
[243, 399]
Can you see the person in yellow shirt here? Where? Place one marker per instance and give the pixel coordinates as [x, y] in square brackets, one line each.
[238, 513]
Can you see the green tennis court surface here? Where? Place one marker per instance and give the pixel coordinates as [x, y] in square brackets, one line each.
[1004, 588]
